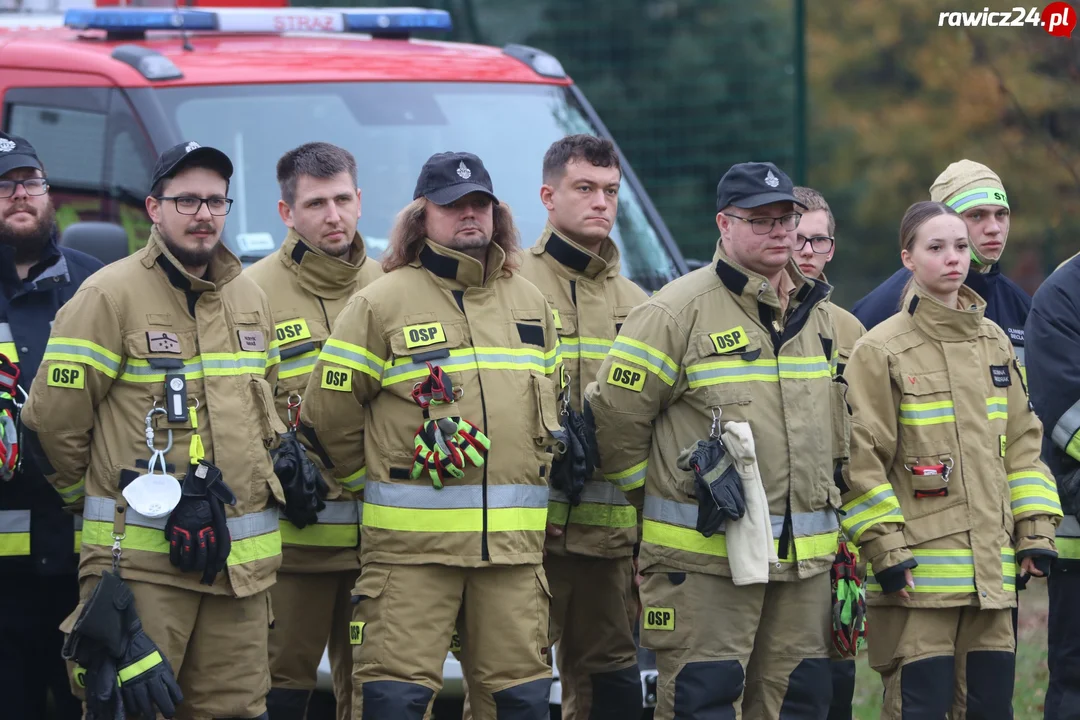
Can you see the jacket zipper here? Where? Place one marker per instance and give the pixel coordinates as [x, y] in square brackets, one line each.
[326, 316]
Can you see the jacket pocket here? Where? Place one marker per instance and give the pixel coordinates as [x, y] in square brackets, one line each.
[930, 481]
[270, 427]
[543, 611]
[665, 619]
[936, 525]
[369, 613]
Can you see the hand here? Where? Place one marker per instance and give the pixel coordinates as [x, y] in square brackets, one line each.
[1029, 567]
[909, 582]
[554, 530]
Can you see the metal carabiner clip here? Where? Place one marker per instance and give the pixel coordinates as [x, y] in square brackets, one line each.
[714, 431]
[156, 455]
[293, 409]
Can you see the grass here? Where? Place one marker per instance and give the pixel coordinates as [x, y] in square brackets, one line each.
[1031, 670]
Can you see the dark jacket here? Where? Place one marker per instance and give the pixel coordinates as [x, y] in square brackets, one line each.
[27, 308]
[1053, 334]
[1007, 304]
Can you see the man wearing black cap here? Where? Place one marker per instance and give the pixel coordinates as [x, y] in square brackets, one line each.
[736, 544]
[160, 370]
[39, 545]
[442, 378]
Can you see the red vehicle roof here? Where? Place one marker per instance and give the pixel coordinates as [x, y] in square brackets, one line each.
[228, 59]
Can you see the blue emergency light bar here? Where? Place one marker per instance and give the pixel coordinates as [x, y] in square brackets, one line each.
[377, 21]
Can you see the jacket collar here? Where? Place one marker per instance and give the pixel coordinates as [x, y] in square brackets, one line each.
[458, 268]
[223, 266]
[983, 283]
[575, 260]
[943, 323]
[753, 290]
[318, 273]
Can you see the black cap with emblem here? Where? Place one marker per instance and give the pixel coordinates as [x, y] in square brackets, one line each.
[17, 152]
[753, 184]
[448, 177]
[180, 156]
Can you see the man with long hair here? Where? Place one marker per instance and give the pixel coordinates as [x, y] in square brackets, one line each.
[444, 375]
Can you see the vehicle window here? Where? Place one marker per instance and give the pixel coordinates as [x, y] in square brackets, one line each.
[392, 128]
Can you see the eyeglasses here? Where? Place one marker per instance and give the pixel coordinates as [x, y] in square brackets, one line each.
[190, 205]
[820, 244]
[764, 226]
[33, 186]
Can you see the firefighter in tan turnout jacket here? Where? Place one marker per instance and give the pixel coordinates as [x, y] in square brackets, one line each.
[746, 340]
[175, 341]
[589, 556]
[309, 280]
[947, 496]
[449, 362]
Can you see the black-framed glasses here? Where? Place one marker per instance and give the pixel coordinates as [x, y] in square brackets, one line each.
[33, 186]
[190, 205]
[820, 244]
[764, 226]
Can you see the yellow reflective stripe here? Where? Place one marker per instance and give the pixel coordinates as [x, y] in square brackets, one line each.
[78, 540]
[815, 546]
[804, 368]
[320, 535]
[456, 520]
[593, 348]
[10, 351]
[631, 478]
[720, 372]
[74, 492]
[352, 356]
[1031, 491]
[997, 408]
[931, 413]
[14, 544]
[126, 674]
[594, 514]
[298, 365]
[1068, 548]
[243, 551]
[260, 547]
[85, 352]
[355, 482]
[690, 540]
[638, 352]
[877, 505]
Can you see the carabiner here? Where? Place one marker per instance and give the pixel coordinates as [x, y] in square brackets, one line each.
[150, 431]
[714, 431]
[293, 410]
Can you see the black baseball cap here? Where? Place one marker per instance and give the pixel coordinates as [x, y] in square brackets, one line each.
[179, 156]
[450, 176]
[17, 152]
[753, 184]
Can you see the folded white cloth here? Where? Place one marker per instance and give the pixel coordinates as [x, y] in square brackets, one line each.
[750, 546]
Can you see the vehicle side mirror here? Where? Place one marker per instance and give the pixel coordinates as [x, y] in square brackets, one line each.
[105, 241]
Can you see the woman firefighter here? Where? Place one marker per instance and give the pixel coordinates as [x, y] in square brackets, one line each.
[946, 496]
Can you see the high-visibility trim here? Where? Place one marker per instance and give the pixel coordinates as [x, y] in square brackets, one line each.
[638, 352]
[74, 492]
[720, 372]
[593, 514]
[804, 368]
[949, 571]
[7, 343]
[476, 358]
[595, 491]
[83, 351]
[631, 478]
[997, 408]
[298, 365]
[255, 536]
[931, 413]
[1031, 491]
[418, 508]
[14, 533]
[137, 370]
[978, 196]
[352, 356]
[594, 348]
[273, 355]
[1066, 433]
[78, 532]
[129, 673]
[820, 522]
[874, 507]
[338, 526]
[355, 481]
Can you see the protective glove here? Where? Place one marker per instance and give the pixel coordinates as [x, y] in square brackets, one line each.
[196, 530]
[717, 484]
[9, 414]
[303, 485]
[442, 448]
[570, 470]
[1068, 485]
[104, 701]
[849, 604]
[147, 683]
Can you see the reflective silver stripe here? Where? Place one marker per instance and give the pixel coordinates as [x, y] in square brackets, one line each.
[355, 482]
[58, 346]
[927, 414]
[595, 345]
[242, 362]
[600, 492]
[14, 521]
[1067, 426]
[787, 365]
[997, 407]
[944, 560]
[299, 364]
[528, 360]
[766, 371]
[923, 581]
[340, 512]
[455, 497]
[685, 514]
[5, 333]
[333, 354]
[190, 368]
[273, 355]
[814, 523]
[651, 358]
[360, 512]
[101, 510]
[1069, 527]
[78, 522]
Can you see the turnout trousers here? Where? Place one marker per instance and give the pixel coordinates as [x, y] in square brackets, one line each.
[1063, 694]
[310, 611]
[216, 645]
[723, 651]
[957, 660]
[403, 620]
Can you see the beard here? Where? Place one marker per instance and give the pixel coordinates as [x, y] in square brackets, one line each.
[187, 256]
[29, 244]
[470, 242]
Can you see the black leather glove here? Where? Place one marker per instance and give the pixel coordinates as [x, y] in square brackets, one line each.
[198, 535]
[303, 485]
[147, 683]
[717, 484]
[1068, 484]
[570, 471]
[104, 701]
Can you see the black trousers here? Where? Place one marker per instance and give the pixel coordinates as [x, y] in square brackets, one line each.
[1063, 693]
[31, 610]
